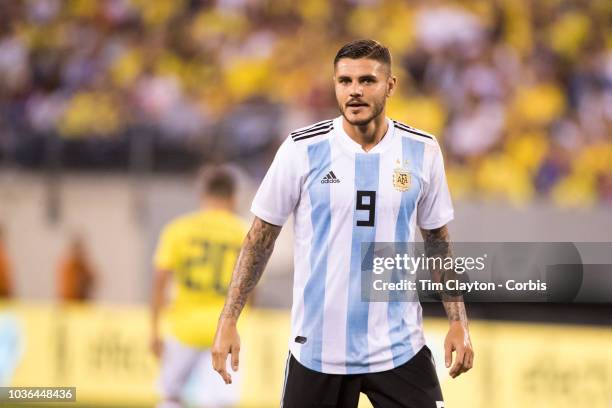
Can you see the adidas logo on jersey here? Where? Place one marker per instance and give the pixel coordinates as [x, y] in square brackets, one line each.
[330, 178]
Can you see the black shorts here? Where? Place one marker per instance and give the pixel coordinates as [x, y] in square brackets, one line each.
[411, 385]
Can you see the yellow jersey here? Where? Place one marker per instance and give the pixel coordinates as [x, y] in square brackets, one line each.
[200, 249]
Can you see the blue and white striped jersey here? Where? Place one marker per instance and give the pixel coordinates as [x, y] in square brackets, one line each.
[341, 196]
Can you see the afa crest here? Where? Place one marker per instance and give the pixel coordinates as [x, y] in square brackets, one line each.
[401, 179]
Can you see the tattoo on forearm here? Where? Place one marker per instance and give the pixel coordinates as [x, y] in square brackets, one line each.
[252, 260]
[455, 310]
[437, 244]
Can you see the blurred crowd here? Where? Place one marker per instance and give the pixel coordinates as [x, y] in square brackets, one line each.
[518, 92]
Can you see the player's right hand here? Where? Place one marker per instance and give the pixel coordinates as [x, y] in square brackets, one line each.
[227, 341]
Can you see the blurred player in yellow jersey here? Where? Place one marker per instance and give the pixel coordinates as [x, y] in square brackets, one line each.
[195, 256]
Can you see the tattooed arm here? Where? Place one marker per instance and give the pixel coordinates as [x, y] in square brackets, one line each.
[252, 260]
[437, 244]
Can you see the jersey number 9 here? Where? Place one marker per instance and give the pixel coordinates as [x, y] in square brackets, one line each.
[366, 201]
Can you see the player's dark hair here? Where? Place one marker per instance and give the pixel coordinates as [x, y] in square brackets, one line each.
[364, 49]
[217, 181]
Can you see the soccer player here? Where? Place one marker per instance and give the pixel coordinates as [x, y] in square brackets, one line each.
[360, 177]
[196, 253]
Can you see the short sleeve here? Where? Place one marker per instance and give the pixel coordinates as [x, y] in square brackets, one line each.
[166, 252]
[435, 208]
[280, 189]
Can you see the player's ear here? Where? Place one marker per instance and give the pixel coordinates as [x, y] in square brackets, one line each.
[391, 84]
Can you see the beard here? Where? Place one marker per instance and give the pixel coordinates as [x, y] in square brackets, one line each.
[377, 108]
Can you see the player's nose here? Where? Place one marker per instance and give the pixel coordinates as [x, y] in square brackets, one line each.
[356, 91]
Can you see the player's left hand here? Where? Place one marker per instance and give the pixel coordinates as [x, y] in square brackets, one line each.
[458, 340]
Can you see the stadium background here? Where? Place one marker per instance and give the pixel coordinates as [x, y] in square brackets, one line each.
[108, 107]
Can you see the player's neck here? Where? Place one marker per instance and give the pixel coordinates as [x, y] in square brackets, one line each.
[217, 204]
[368, 135]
